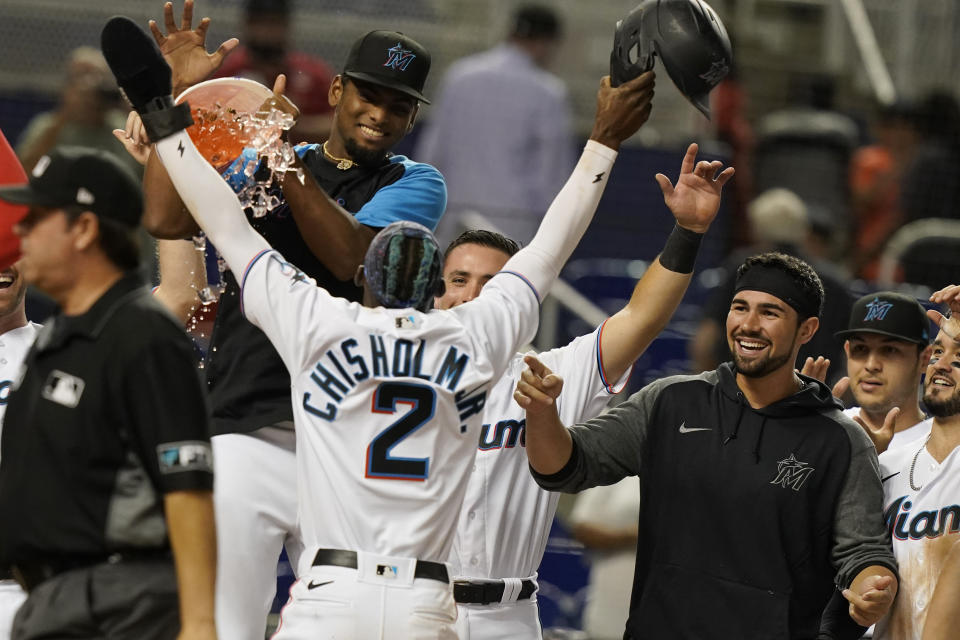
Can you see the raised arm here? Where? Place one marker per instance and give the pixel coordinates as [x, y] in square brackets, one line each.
[620, 112]
[694, 203]
[184, 49]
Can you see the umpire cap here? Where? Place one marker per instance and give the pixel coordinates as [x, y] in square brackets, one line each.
[91, 179]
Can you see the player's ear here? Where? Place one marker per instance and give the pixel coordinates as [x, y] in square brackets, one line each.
[358, 276]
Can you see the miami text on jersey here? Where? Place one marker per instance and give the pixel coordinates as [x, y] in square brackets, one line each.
[905, 525]
[341, 369]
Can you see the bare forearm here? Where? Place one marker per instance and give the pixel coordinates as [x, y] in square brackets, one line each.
[331, 232]
[164, 214]
[183, 275]
[605, 538]
[631, 330]
[194, 542]
[549, 444]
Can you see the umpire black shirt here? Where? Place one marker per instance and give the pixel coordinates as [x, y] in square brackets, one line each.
[108, 416]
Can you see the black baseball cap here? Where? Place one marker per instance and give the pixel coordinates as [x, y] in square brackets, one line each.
[889, 314]
[91, 179]
[390, 59]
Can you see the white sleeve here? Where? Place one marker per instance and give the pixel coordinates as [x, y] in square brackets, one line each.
[288, 306]
[502, 319]
[586, 388]
[566, 220]
[211, 201]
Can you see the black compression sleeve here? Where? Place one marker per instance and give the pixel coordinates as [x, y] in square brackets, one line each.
[680, 251]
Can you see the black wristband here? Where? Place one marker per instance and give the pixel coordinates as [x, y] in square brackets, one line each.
[680, 251]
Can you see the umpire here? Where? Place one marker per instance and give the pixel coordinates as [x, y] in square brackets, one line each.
[107, 463]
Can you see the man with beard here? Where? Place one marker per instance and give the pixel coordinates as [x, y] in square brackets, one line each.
[16, 336]
[921, 491]
[352, 187]
[759, 495]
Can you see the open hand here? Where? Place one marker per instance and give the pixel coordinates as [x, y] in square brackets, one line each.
[949, 324]
[867, 607]
[538, 387]
[881, 435]
[695, 200]
[816, 369]
[184, 48]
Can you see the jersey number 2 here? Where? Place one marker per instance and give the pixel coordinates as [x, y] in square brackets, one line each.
[423, 400]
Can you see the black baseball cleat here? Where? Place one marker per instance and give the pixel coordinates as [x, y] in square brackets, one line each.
[144, 76]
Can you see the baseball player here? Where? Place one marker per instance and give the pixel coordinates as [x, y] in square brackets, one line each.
[888, 348]
[16, 336]
[352, 186]
[387, 401]
[505, 519]
[787, 486]
[921, 485]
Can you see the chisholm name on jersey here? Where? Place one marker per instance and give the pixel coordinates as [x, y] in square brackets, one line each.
[341, 369]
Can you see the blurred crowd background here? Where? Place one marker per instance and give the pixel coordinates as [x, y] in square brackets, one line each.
[840, 116]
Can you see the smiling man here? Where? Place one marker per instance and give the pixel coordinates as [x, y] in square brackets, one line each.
[16, 336]
[753, 453]
[921, 490]
[887, 347]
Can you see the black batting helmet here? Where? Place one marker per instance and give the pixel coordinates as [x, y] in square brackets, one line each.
[688, 37]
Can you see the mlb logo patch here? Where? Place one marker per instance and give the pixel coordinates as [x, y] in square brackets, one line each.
[62, 388]
[387, 571]
[406, 322]
[190, 455]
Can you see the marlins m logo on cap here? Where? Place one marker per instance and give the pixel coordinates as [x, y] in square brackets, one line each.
[877, 310]
[399, 58]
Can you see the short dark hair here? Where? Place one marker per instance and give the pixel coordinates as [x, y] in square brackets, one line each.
[484, 238]
[533, 21]
[801, 273]
[117, 241]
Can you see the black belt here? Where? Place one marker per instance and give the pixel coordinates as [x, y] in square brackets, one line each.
[6, 574]
[32, 573]
[488, 592]
[348, 559]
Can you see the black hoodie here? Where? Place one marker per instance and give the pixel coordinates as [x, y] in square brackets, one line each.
[748, 517]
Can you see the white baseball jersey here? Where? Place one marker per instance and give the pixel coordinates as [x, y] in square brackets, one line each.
[506, 516]
[14, 345]
[915, 433]
[924, 523]
[387, 403]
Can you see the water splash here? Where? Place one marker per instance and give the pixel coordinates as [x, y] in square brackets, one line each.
[224, 133]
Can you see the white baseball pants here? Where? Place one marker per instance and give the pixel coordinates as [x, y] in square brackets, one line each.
[11, 597]
[255, 502]
[328, 603]
[519, 620]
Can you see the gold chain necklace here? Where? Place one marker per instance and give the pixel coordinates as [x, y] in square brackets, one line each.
[342, 163]
[914, 463]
